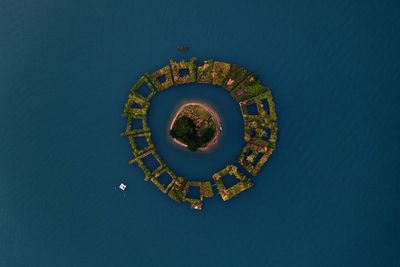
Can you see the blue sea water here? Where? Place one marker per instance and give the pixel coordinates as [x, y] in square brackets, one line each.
[329, 195]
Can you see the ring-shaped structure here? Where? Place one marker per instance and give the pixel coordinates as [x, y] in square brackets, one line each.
[260, 127]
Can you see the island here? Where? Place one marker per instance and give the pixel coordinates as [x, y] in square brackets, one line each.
[195, 126]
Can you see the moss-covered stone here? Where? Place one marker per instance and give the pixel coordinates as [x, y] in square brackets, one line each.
[149, 174]
[227, 193]
[205, 189]
[177, 192]
[134, 145]
[162, 78]
[163, 187]
[260, 133]
[254, 156]
[235, 76]
[143, 83]
[219, 72]
[131, 129]
[187, 66]
[204, 72]
[249, 88]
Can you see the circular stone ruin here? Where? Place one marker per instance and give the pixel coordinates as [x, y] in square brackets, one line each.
[260, 128]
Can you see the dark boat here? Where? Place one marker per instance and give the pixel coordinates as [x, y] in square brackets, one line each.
[182, 48]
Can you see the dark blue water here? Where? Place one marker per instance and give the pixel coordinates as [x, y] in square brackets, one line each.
[329, 196]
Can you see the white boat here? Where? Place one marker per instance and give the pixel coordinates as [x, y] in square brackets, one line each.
[122, 186]
[220, 128]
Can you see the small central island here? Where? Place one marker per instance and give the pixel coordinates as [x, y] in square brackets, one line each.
[195, 126]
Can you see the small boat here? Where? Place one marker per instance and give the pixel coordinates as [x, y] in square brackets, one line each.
[183, 48]
[197, 206]
[122, 186]
[220, 128]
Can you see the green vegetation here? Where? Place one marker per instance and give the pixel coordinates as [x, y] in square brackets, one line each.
[189, 66]
[235, 76]
[177, 192]
[205, 189]
[164, 187]
[259, 144]
[242, 184]
[194, 126]
[204, 72]
[143, 83]
[219, 72]
[250, 87]
[162, 78]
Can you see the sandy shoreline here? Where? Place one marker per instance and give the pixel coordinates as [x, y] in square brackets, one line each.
[214, 115]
